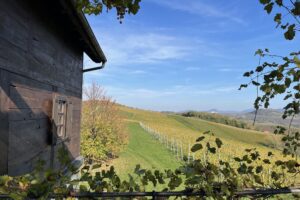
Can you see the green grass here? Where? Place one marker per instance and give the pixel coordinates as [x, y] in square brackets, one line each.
[144, 150]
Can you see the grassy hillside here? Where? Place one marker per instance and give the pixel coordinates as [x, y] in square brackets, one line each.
[144, 150]
[187, 130]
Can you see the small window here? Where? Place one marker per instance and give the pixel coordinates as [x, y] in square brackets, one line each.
[62, 118]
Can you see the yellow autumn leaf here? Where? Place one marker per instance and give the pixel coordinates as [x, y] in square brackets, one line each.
[297, 61]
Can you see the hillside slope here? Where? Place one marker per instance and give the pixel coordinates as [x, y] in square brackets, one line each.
[144, 150]
[187, 130]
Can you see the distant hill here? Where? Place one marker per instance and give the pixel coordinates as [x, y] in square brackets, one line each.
[267, 117]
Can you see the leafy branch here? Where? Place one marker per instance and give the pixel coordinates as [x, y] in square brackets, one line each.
[122, 7]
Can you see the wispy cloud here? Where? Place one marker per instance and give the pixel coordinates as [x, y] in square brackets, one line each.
[197, 7]
[138, 72]
[143, 48]
[175, 91]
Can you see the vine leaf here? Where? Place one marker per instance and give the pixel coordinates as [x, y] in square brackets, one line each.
[196, 147]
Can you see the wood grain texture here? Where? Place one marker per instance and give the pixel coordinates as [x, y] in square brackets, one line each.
[30, 113]
[4, 128]
[33, 45]
[27, 138]
[38, 60]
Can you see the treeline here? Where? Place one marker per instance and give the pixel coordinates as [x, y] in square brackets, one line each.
[213, 117]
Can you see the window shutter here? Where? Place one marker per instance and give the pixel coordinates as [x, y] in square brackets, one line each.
[54, 119]
[59, 117]
[69, 121]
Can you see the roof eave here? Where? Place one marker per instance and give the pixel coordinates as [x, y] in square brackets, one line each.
[91, 45]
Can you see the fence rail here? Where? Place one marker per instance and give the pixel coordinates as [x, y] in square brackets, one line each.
[159, 195]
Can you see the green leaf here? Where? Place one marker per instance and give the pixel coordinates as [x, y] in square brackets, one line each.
[269, 7]
[237, 159]
[259, 169]
[279, 2]
[243, 86]
[264, 1]
[219, 142]
[266, 161]
[4, 180]
[259, 69]
[247, 74]
[212, 150]
[196, 147]
[297, 61]
[258, 179]
[290, 33]
[259, 52]
[199, 139]
[255, 83]
[277, 18]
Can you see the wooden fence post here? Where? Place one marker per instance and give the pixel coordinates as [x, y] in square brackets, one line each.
[181, 152]
[189, 152]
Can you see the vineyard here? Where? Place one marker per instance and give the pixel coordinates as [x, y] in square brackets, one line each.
[177, 134]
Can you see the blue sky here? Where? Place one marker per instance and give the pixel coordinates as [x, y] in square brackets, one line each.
[179, 56]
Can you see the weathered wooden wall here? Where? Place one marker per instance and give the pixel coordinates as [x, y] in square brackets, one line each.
[37, 61]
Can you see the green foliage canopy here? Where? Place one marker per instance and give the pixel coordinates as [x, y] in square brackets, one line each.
[122, 7]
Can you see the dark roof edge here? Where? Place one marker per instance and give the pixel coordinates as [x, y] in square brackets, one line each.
[91, 45]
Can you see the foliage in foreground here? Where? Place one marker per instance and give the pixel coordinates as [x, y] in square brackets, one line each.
[122, 7]
[103, 133]
[214, 180]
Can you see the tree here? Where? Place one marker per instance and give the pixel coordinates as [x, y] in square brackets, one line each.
[122, 7]
[275, 78]
[103, 132]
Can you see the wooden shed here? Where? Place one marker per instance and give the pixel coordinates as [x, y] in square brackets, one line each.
[41, 76]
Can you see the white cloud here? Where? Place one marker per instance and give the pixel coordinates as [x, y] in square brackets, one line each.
[143, 48]
[226, 70]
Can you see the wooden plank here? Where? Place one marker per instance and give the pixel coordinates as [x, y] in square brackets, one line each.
[14, 58]
[24, 98]
[76, 124]
[29, 83]
[4, 128]
[28, 166]
[74, 147]
[14, 32]
[32, 45]
[27, 139]
[76, 102]
[28, 114]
